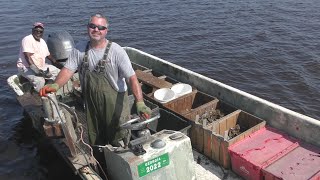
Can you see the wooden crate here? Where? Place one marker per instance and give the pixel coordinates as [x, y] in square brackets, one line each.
[151, 81]
[219, 143]
[193, 113]
[148, 91]
[207, 107]
[196, 136]
[189, 106]
[182, 104]
[207, 140]
[164, 77]
[194, 103]
[146, 77]
[201, 132]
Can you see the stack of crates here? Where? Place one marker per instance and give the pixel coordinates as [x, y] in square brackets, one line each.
[301, 163]
[259, 150]
[210, 138]
[201, 132]
[206, 138]
[190, 106]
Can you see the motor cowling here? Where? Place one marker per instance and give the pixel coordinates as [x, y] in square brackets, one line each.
[60, 45]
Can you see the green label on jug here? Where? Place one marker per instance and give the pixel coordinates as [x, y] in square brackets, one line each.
[153, 164]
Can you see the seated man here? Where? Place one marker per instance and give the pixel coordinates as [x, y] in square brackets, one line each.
[31, 63]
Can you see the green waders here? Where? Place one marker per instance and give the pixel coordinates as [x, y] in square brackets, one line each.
[106, 108]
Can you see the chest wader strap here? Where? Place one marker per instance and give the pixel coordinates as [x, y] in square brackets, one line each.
[102, 63]
[83, 68]
[85, 63]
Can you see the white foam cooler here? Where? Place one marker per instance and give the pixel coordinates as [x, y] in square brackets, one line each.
[173, 161]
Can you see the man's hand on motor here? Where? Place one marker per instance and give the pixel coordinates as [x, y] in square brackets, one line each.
[143, 110]
[49, 88]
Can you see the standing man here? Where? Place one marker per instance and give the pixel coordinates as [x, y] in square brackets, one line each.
[31, 63]
[104, 69]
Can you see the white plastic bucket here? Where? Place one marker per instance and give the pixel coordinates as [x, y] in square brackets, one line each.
[164, 95]
[181, 89]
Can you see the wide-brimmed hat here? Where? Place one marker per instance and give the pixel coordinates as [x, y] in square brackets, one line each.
[38, 24]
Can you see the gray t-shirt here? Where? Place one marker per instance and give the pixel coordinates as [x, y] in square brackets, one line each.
[118, 65]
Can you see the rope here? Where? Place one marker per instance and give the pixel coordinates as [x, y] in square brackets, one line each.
[79, 125]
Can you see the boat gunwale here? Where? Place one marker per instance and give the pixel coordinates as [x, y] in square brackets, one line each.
[291, 122]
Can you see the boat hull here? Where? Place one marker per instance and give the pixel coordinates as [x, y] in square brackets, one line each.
[293, 123]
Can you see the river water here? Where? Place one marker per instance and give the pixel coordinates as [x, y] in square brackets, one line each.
[268, 48]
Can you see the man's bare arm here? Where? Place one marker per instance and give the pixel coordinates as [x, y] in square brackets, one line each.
[52, 59]
[142, 109]
[27, 56]
[64, 75]
[136, 88]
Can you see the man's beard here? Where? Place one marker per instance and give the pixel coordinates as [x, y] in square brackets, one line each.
[96, 37]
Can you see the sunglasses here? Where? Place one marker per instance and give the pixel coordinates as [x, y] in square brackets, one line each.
[38, 31]
[100, 28]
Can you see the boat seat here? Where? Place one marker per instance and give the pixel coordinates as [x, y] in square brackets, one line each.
[151, 80]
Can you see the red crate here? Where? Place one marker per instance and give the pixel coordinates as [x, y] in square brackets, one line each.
[316, 177]
[259, 150]
[301, 163]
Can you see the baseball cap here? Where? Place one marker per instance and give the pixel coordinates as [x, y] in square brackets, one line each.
[38, 24]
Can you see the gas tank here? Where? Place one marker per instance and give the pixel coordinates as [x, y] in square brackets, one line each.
[168, 156]
[60, 45]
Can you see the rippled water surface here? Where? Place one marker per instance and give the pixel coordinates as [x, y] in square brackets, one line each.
[268, 48]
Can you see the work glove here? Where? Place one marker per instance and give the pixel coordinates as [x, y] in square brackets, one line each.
[36, 70]
[49, 88]
[47, 74]
[143, 110]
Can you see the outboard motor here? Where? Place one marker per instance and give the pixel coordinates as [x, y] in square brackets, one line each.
[60, 45]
